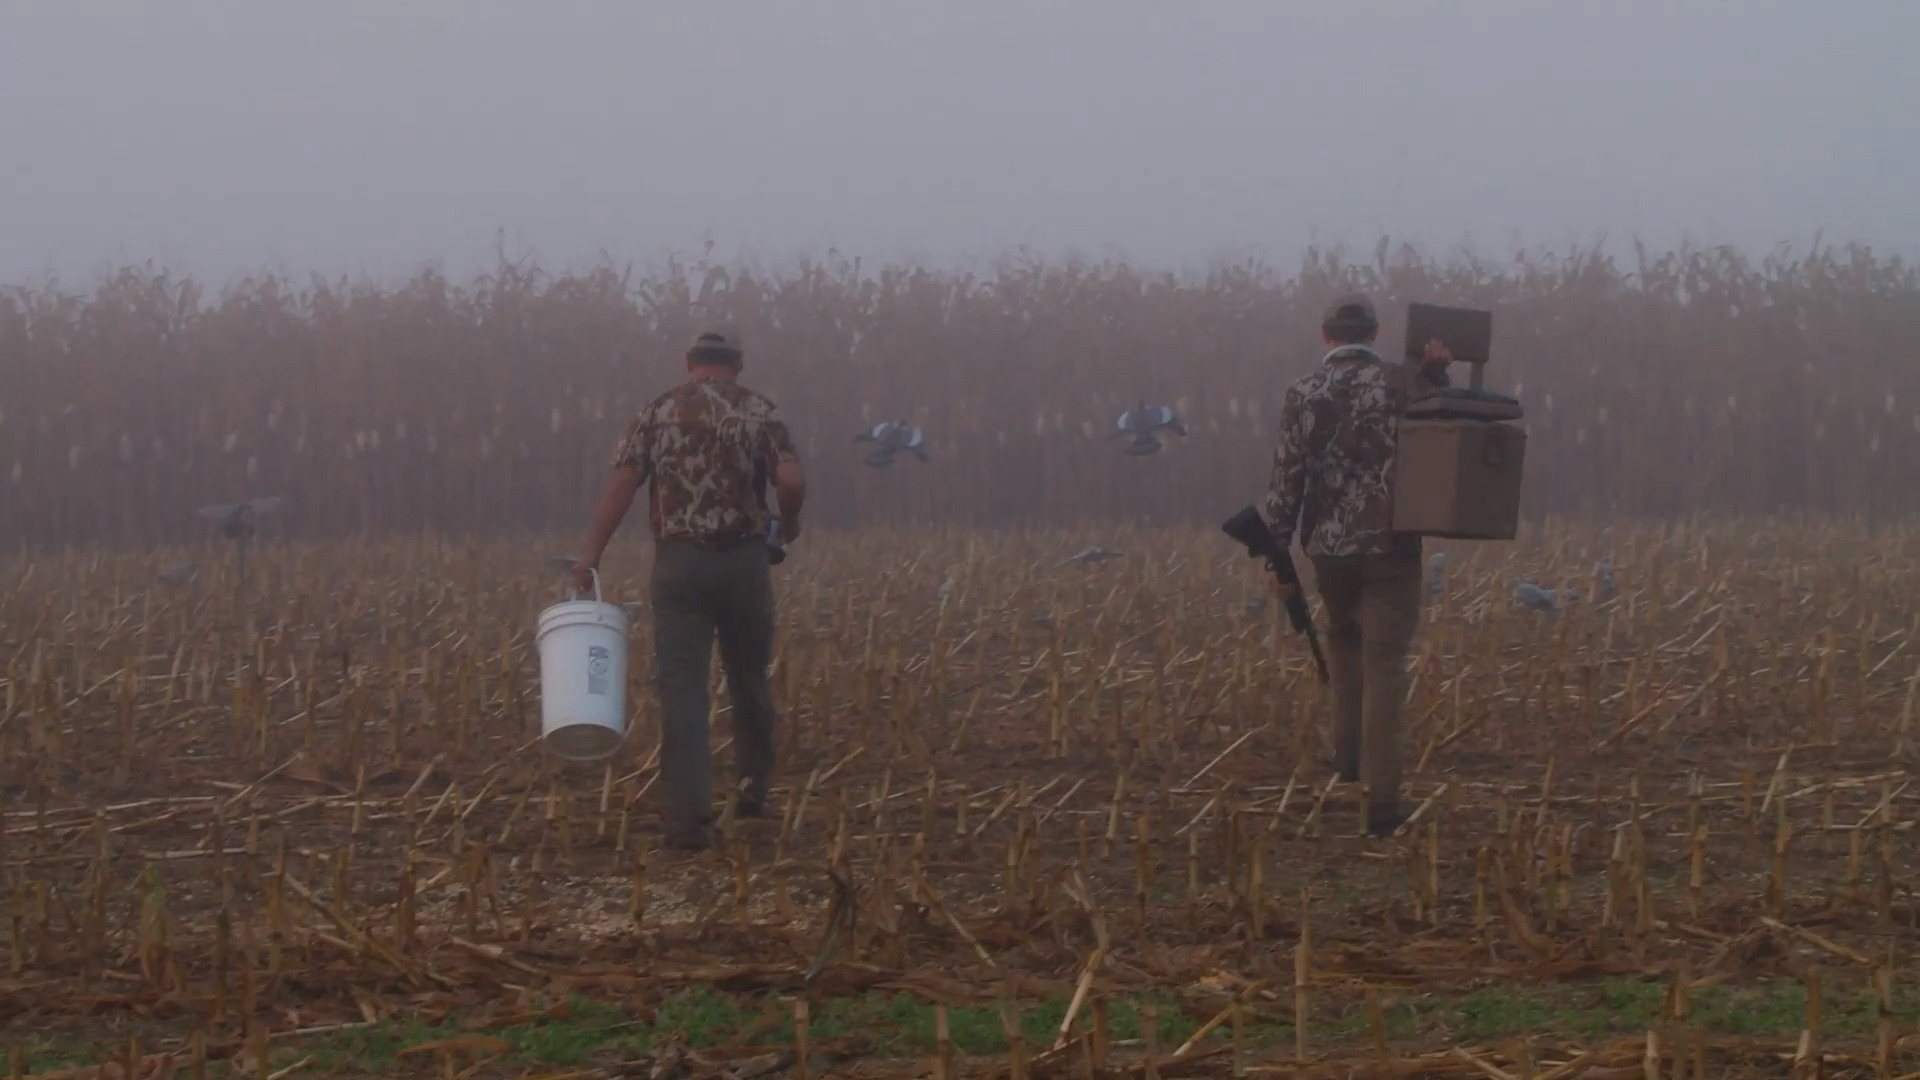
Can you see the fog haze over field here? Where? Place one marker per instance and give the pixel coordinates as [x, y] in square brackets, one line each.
[354, 136]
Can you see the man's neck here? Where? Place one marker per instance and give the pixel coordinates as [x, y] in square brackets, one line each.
[712, 371]
[1363, 348]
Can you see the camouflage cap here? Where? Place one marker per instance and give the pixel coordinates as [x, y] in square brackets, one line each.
[716, 342]
[1353, 309]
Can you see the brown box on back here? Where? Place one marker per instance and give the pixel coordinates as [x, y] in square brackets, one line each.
[1458, 478]
[1460, 459]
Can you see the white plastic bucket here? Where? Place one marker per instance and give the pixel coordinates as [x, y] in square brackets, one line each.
[583, 677]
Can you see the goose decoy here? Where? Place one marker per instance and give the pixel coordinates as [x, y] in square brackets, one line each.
[1094, 554]
[1604, 585]
[1535, 598]
[1436, 572]
[890, 437]
[179, 574]
[1140, 425]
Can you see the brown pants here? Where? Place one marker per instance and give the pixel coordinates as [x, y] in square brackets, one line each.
[1373, 608]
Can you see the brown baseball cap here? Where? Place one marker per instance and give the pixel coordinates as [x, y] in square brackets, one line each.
[1352, 309]
[724, 342]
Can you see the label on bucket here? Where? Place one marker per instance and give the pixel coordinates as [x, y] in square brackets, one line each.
[599, 660]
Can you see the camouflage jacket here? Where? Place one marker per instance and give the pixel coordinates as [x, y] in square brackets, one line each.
[699, 445]
[1333, 471]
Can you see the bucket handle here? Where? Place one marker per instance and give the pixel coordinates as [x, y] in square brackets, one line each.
[596, 586]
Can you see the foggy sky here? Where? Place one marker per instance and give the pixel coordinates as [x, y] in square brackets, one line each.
[372, 136]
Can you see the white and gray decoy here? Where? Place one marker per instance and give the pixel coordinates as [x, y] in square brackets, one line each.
[1140, 424]
[890, 438]
[1535, 598]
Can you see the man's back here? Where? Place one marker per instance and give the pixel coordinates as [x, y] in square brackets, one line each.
[699, 444]
[1339, 427]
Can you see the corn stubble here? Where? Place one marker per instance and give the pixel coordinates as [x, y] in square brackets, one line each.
[330, 808]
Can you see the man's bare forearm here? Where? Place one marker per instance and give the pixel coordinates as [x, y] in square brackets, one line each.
[790, 490]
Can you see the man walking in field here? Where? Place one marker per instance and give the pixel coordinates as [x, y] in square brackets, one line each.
[706, 447]
[1333, 474]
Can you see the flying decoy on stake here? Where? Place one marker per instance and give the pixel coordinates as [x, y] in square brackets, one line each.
[237, 520]
[238, 523]
[890, 437]
[1141, 423]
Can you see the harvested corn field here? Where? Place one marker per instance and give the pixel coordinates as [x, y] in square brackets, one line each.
[1035, 818]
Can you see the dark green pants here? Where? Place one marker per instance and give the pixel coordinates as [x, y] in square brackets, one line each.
[700, 594]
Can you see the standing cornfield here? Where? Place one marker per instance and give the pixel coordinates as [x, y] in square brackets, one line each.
[1692, 381]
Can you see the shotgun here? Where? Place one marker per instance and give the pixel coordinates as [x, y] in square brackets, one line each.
[1248, 530]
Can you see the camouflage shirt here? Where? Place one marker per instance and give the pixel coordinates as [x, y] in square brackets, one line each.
[699, 444]
[1333, 471]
